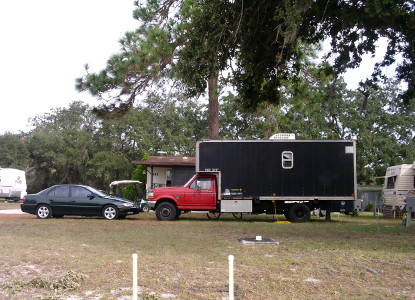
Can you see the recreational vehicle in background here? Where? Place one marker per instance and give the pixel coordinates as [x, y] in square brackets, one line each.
[399, 183]
[12, 184]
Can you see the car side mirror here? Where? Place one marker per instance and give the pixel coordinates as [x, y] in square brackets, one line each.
[90, 196]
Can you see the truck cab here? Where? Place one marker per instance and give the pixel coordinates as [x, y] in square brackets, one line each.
[199, 193]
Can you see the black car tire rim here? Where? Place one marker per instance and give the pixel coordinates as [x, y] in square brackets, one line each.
[165, 212]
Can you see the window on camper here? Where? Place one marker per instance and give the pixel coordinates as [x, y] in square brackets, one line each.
[390, 183]
[287, 160]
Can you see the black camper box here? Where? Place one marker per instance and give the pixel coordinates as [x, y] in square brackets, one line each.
[283, 170]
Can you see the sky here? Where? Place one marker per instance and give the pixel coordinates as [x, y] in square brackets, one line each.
[44, 45]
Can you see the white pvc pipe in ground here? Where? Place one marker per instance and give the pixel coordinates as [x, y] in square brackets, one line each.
[231, 288]
[135, 276]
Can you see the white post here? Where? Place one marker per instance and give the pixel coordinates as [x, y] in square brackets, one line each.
[135, 286]
[231, 287]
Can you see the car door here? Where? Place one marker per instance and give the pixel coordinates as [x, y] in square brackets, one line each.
[59, 201]
[84, 202]
[201, 193]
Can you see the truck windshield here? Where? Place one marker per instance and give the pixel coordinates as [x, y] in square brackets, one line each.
[189, 181]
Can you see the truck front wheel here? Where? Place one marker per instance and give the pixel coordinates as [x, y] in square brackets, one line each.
[299, 213]
[166, 211]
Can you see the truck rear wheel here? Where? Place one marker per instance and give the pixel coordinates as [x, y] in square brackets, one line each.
[166, 211]
[299, 213]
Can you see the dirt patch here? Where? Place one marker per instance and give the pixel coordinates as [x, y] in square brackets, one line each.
[16, 216]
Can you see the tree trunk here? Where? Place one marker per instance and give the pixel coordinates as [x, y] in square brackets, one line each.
[213, 107]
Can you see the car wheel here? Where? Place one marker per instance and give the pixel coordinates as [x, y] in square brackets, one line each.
[110, 212]
[146, 208]
[299, 213]
[43, 211]
[166, 211]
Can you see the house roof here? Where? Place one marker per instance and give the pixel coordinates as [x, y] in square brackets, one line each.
[162, 161]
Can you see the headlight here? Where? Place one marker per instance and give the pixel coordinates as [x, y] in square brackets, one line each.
[128, 204]
[150, 195]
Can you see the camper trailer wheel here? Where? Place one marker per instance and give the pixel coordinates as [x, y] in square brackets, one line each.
[43, 211]
[146, 208]
[166, 211]
[299, 213]
[237, 215]
[213, 215]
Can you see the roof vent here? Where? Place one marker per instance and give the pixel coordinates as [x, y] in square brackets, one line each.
[283, 136]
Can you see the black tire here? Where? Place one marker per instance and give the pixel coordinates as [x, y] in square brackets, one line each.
[43, 211]
[299, 213]
[145, 208]
[110, 212]
[237, 215]
[213, 215]
[166, 211]
[286, 215]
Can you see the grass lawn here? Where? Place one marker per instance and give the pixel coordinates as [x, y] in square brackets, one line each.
[90, 258]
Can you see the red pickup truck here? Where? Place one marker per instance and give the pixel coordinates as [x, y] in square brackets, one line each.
[291, 177]
[199, 193]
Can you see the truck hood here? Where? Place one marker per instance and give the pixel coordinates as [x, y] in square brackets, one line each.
[168, 189]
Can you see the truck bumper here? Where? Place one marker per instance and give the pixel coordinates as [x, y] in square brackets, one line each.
[151, 204]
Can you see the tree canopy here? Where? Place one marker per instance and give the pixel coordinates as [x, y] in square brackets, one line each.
[257, 45]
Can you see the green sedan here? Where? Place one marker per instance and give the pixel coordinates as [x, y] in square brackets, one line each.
[76, 200]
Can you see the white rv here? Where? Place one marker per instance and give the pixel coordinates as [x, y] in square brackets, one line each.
[399, 182]
[12, 184]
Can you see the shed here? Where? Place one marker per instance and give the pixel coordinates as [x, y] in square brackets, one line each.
[168, 170]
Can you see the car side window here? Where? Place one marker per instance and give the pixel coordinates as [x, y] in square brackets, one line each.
[79, 192]
[60, 191]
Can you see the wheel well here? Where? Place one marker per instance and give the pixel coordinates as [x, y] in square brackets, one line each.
[309, 204]
[164, 200]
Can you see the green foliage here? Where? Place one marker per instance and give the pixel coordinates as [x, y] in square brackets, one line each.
[260, 42]
[13, 151]
[140, 174]
[69, 145]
